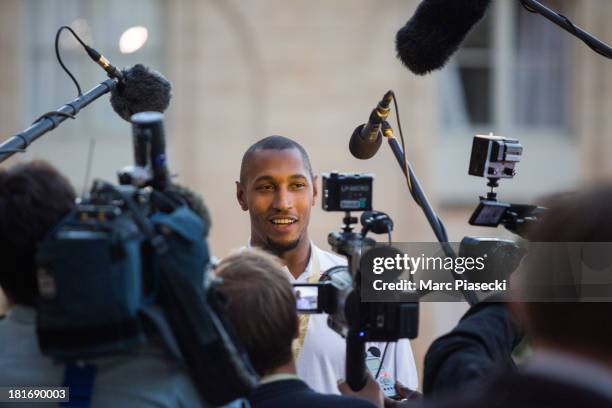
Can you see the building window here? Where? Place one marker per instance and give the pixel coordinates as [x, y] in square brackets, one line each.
[512, 77]
[510, 73]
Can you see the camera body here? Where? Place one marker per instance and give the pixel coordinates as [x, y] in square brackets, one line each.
[494, 156]
[135, 256]
[347, 191]
[338, 292]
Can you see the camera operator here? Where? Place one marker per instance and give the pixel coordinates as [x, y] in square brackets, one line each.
[278, 188]
[571, 363]
[33, 198]
[262, 308]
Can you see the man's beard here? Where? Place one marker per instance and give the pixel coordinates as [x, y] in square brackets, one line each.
[279, 248]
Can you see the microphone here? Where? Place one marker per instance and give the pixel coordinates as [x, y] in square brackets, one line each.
[139, 89]
[435, 32]
[366, 138]
[142, 90]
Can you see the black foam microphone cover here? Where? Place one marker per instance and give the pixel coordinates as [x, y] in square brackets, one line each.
[361, 148]
[142, 90]
[435, 32]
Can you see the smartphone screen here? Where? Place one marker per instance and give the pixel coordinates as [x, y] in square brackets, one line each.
[384, 378]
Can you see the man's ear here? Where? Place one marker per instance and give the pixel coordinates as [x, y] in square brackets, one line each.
[315, 190]
[241, 196]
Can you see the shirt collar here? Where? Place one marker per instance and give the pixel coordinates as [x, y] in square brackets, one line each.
[278, 377]
[307, 271]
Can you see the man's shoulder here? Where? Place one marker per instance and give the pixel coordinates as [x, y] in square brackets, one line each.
[297, 394]
[331, 400]
[328, 259]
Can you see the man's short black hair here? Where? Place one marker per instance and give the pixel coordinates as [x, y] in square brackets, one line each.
[274, 142]
[34, 196]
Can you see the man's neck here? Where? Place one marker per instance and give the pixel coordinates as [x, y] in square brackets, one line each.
[288, 368]
[296, 259]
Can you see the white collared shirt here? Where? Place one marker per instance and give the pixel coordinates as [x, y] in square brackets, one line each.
[321, 362]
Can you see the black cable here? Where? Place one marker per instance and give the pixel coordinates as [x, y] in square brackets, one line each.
[399, 127]
[438, 228]
[59, 58]
[439, 223]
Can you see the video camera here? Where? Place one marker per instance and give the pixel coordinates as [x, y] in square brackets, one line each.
[131, 261]
[495, 157]
[338, 292]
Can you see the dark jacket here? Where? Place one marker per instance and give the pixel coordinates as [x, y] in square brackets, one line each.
[296, 394]
[481, 343]
[520, 390]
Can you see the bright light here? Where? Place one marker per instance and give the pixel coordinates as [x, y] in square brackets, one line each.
[133, 39]
[83, 30]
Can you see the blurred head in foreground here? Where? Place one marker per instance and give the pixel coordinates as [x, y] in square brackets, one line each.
[571, 326]
[260, 306]
[34, 196]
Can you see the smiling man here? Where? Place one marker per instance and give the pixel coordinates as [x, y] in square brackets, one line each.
[278, 188]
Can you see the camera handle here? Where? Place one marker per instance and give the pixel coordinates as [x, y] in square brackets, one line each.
[356, 371]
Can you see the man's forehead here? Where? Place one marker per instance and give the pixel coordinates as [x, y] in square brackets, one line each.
[277, 163]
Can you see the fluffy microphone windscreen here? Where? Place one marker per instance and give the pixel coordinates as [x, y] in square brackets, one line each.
[143, 90]
[435, 32]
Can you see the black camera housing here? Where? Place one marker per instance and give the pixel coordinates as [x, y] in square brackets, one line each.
[494, 156]
[347, 191]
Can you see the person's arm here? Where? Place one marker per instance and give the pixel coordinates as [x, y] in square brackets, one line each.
[482, 341]
[408, 398]
[374, 394]
[370, 392]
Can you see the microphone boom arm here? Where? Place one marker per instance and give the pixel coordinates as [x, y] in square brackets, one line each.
[51, 120]
[594, 43]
